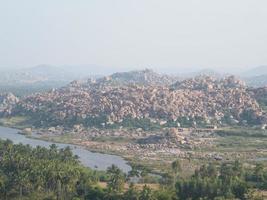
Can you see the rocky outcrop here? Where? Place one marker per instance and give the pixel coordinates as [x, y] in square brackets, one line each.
[208, 83]
[8, 102]
[144, 77]
[202, 97]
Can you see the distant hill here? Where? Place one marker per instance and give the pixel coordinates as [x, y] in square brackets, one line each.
[44, 73]
[195, 100]
[202, 72]
[141, 77]
[40, 78]
[256, 77]
[256, 81]
[255, 72]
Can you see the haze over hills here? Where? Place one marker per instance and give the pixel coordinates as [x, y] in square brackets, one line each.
[256, 71]
[46, 73]
[45, 77]
[137, 77]
[255, 77]
[42, 78]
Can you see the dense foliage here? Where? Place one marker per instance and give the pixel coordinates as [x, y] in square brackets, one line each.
[40, 173]
[52, 173]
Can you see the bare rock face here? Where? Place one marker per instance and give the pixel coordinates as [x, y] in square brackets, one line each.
[143, 77]
[260, 94]
[7, 103]
[202, 97]
[172, 133]
[209, 83]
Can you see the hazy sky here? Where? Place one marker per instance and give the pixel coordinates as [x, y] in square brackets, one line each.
[129, 34]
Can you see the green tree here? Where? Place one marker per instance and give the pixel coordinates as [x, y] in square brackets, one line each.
[164, 195]
[116, 180]
[131, 193]
[176, 167]
[134, 172]
[146, 194]
[259, 172]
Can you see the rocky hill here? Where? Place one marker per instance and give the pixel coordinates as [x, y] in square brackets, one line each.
[7, 103]
[143, 77]
[260, 94]
[209, 83]
[199, 100]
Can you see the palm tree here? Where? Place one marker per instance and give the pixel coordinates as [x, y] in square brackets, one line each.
[131, 193]
[133, 173]
[117, 179]
[176, 168]
[3, 182]
[146, 194]
[259, 171]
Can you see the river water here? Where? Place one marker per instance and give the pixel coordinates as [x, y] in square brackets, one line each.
[93, 160]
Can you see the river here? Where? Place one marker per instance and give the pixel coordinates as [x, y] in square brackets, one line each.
[93, 160]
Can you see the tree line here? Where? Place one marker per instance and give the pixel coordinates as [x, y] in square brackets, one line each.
[56, 174]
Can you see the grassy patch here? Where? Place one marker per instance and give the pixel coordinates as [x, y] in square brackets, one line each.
[112, 139]
[20, 122]
[242, 132]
